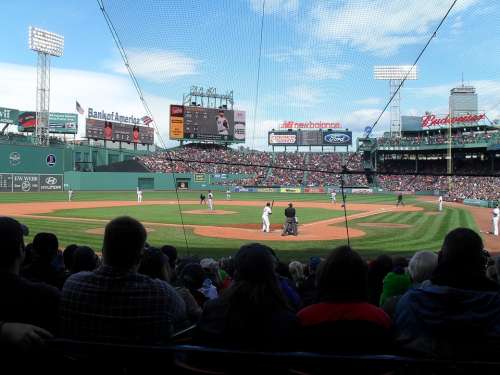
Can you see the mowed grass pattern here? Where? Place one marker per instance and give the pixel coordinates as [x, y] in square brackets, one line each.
[426, 231]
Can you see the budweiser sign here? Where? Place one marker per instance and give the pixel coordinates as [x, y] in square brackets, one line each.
[310, 125]
[431, 120]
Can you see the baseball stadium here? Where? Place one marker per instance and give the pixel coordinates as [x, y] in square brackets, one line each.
[296, 187]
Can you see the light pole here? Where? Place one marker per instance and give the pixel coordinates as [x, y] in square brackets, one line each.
[46, 44]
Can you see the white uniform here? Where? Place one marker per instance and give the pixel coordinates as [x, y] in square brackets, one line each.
[139, 195]
[228, 194]
[334, 197]
[440, 203]
[495, 215]
[70, 195]
[222, 125]
[210, 201]
[265, 219]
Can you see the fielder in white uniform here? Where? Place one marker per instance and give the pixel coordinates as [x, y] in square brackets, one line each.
[139, 195]
[334, 197]
[210, 200]
[265, 217]
[228, 194]
[70, 195]
[440, 203]
[495, 215]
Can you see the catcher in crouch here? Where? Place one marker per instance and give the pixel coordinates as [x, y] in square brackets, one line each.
[290, 226]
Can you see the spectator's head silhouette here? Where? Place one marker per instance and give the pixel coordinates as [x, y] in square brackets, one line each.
[12, 250]
[45, 247]
[422, 265]
[154, 263]
[84, 259]
[124, 239]
[171, 253]
[343, 276]
[68, 255]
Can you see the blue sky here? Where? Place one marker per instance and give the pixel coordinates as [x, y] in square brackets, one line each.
[317, 57]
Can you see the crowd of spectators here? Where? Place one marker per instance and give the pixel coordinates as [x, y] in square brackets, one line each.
[440, 138]
[438, 305]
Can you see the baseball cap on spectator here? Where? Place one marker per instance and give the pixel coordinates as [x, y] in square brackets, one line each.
[208, 263]
[314, 263]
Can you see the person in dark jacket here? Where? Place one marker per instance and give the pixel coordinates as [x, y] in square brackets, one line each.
[457, 313]
[290, 226]
[253, 312]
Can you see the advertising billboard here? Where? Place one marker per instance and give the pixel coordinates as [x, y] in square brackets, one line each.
[282, 138]
[310, 138]
[115, 131]
[337, 138]
[8, 116]
[200, 123]
[62, 123]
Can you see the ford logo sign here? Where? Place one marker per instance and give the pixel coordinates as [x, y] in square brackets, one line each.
[337, 138]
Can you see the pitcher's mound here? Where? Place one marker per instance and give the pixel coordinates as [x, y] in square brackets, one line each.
[101, 230]
[384, 225]
[209, 212]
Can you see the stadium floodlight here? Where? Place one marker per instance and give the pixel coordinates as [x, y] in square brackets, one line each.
[46, 44]
[395, 74]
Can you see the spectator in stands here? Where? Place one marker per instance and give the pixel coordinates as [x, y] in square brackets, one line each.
[44, 266]
[253, 313]
[420, 269]
[68, 256]
[297, 273]
[309, 291]
[189, 282]
[154, 263]
[115, 303]
[344, 320]
[395, 282]
[84, 259]
[171, 253]
[377, 271]
[23, 301]
[458, 312]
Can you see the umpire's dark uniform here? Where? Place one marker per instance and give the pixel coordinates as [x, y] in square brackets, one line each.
[290, 226]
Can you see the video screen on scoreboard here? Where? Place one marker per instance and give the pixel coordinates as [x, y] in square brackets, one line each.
[116, 131]
[200, 123]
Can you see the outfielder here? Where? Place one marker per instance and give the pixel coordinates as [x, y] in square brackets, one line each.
[494, 220]
[210, 200]
[400, 200]
[440, 203]
[70, 195]
[265, 217]
[334, 197]
[139, 195]
[228, 194]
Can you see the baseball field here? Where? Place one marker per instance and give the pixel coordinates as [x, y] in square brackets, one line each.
[376, 225]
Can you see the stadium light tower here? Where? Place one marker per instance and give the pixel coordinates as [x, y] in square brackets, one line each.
[395, 74]
[46, 44]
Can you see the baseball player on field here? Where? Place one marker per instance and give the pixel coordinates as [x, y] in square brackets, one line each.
[440, 203]
[139, 195]
[228, 194]
[265, 218]
[495, 215]
[334, 197]
[70, 195]
[210, 200]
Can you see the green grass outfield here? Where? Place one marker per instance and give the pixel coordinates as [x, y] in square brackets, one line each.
[426, 232]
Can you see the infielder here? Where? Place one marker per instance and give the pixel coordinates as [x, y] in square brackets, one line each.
[70, 195]
[494, 220]
[203, 199]
[139, 195]
[228, 194]
[334, 197]
[265, 217]
[440, 203]
[400, 200]
[210, 200]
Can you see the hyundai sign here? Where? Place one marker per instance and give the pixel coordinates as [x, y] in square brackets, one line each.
[343, 138]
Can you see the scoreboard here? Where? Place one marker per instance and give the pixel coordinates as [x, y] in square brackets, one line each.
[116, 131]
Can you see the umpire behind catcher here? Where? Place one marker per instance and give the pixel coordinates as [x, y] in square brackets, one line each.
[290, 226]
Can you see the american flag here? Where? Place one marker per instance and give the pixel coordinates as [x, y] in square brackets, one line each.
[147, 120]
[79, 108]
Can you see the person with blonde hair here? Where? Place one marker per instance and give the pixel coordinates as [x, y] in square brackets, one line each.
[297, 271]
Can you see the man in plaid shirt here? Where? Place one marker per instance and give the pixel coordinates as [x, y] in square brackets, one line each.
[116, 304]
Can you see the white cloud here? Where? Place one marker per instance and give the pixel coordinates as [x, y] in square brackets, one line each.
[158, 65]
[303, 96]
[368, 101]
[358, 120]
[320, 72]
[380, 27]
[91, 89]
[275, 6]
